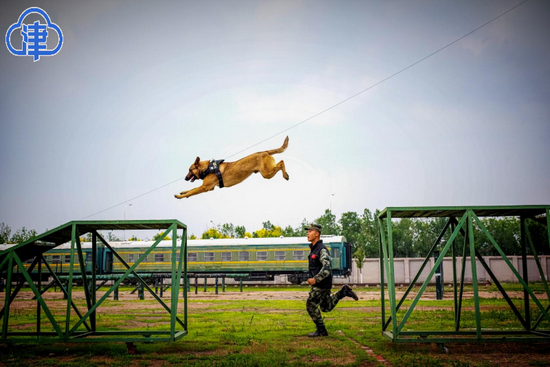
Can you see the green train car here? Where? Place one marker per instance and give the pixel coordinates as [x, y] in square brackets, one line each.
[260, 258]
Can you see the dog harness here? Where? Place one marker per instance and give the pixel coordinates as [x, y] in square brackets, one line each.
[213, 167]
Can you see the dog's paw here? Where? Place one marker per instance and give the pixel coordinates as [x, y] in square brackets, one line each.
[178, 196]
[286, 176]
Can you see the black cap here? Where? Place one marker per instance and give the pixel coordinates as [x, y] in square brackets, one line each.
[314, 226]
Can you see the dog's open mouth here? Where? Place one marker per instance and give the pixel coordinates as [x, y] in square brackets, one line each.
[190, 177]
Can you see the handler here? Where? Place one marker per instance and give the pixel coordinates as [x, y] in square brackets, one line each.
[320, 273]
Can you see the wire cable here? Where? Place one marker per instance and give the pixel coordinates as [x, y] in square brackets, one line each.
[333, 106]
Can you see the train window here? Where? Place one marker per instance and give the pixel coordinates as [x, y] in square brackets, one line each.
[140, 255]
[177, 257]
[56, 259]
[130, 258]
[244, 256]
[298, 255]
[192, 257]
[261, 255]
[280, 256]
[335, 253]
[226, 256]
[159, 258]
[67, 259]
[88, 257]
[208, 256]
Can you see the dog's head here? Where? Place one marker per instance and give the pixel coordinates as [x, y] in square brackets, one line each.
[194, 171]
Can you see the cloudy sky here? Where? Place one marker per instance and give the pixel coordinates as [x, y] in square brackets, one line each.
[141, 88]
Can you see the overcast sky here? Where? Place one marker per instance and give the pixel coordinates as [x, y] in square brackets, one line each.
[141, 88]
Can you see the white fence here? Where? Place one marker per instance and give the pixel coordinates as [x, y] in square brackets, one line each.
[405, 269]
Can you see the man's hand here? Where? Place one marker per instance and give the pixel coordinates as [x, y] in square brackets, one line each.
[311, 281]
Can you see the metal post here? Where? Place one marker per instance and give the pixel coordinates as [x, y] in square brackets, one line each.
[241, 281]
[216, 285]
[438, 278]
[38, 309]
[140, 292]
[223, 284]
[115, 294]
[196, 284]
[205, 279]
[525, 272]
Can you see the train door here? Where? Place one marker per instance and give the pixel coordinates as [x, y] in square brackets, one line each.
[108, 261]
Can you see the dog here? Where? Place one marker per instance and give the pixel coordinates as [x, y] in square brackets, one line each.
[227, 174]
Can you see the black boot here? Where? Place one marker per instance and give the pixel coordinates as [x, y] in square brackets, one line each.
[321, 330]
[346, 291]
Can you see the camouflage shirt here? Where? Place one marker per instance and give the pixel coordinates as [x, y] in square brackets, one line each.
[326, 269]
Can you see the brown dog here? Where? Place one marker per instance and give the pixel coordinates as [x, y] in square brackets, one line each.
[233, 173]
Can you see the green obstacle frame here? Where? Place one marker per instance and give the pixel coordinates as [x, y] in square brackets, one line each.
[462, 220]
[82, 325]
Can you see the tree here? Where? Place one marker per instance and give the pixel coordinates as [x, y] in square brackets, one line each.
[228, 230]
[268, 230]
[290, 232]
[328, 221]
[351, 229]
[212, 233]
[5, 232]
[240, 231]
[21, 235]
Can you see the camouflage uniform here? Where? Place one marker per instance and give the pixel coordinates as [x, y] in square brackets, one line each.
[320, 299]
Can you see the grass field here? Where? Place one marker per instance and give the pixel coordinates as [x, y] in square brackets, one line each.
[267, 327]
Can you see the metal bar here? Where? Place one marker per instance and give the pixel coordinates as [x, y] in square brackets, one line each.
[424, 263]
[183, 263]
[38, 308]
[540, 318]
[453, 251]
[94, 289]
[131, 269]
[37, 294]
[124, 276]
[525, 272]
[381, 259]
[537, 261]
[501, 289]
[431, 274]
[83, 272]
[175, 284]
[6, 308]
[520, 279]
[462, 276]
[58, 281]
[387, 266]
[20, 285]
[474, 271]
[391, 278]
[70, 283]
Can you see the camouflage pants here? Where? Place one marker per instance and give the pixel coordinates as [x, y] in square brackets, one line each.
[320, 300]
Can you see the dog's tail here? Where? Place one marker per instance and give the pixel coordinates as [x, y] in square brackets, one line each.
[279, 150]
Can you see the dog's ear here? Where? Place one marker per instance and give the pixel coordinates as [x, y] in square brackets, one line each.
[197, 161]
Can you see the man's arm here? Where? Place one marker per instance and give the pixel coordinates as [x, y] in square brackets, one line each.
[327, 264]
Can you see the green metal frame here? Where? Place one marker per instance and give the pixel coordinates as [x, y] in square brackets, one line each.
[395, 330]
[85, 329]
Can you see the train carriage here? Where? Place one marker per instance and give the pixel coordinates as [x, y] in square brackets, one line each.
[259, 258]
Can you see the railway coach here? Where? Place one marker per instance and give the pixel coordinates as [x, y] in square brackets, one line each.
[259, 258]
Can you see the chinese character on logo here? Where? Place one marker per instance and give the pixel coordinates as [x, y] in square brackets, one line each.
[34, 36]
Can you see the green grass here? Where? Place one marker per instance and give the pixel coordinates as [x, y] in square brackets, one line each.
[272, 332]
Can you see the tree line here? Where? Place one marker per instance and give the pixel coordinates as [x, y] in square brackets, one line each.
[411, 237]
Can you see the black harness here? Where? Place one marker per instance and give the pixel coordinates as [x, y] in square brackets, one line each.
[213, 167]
